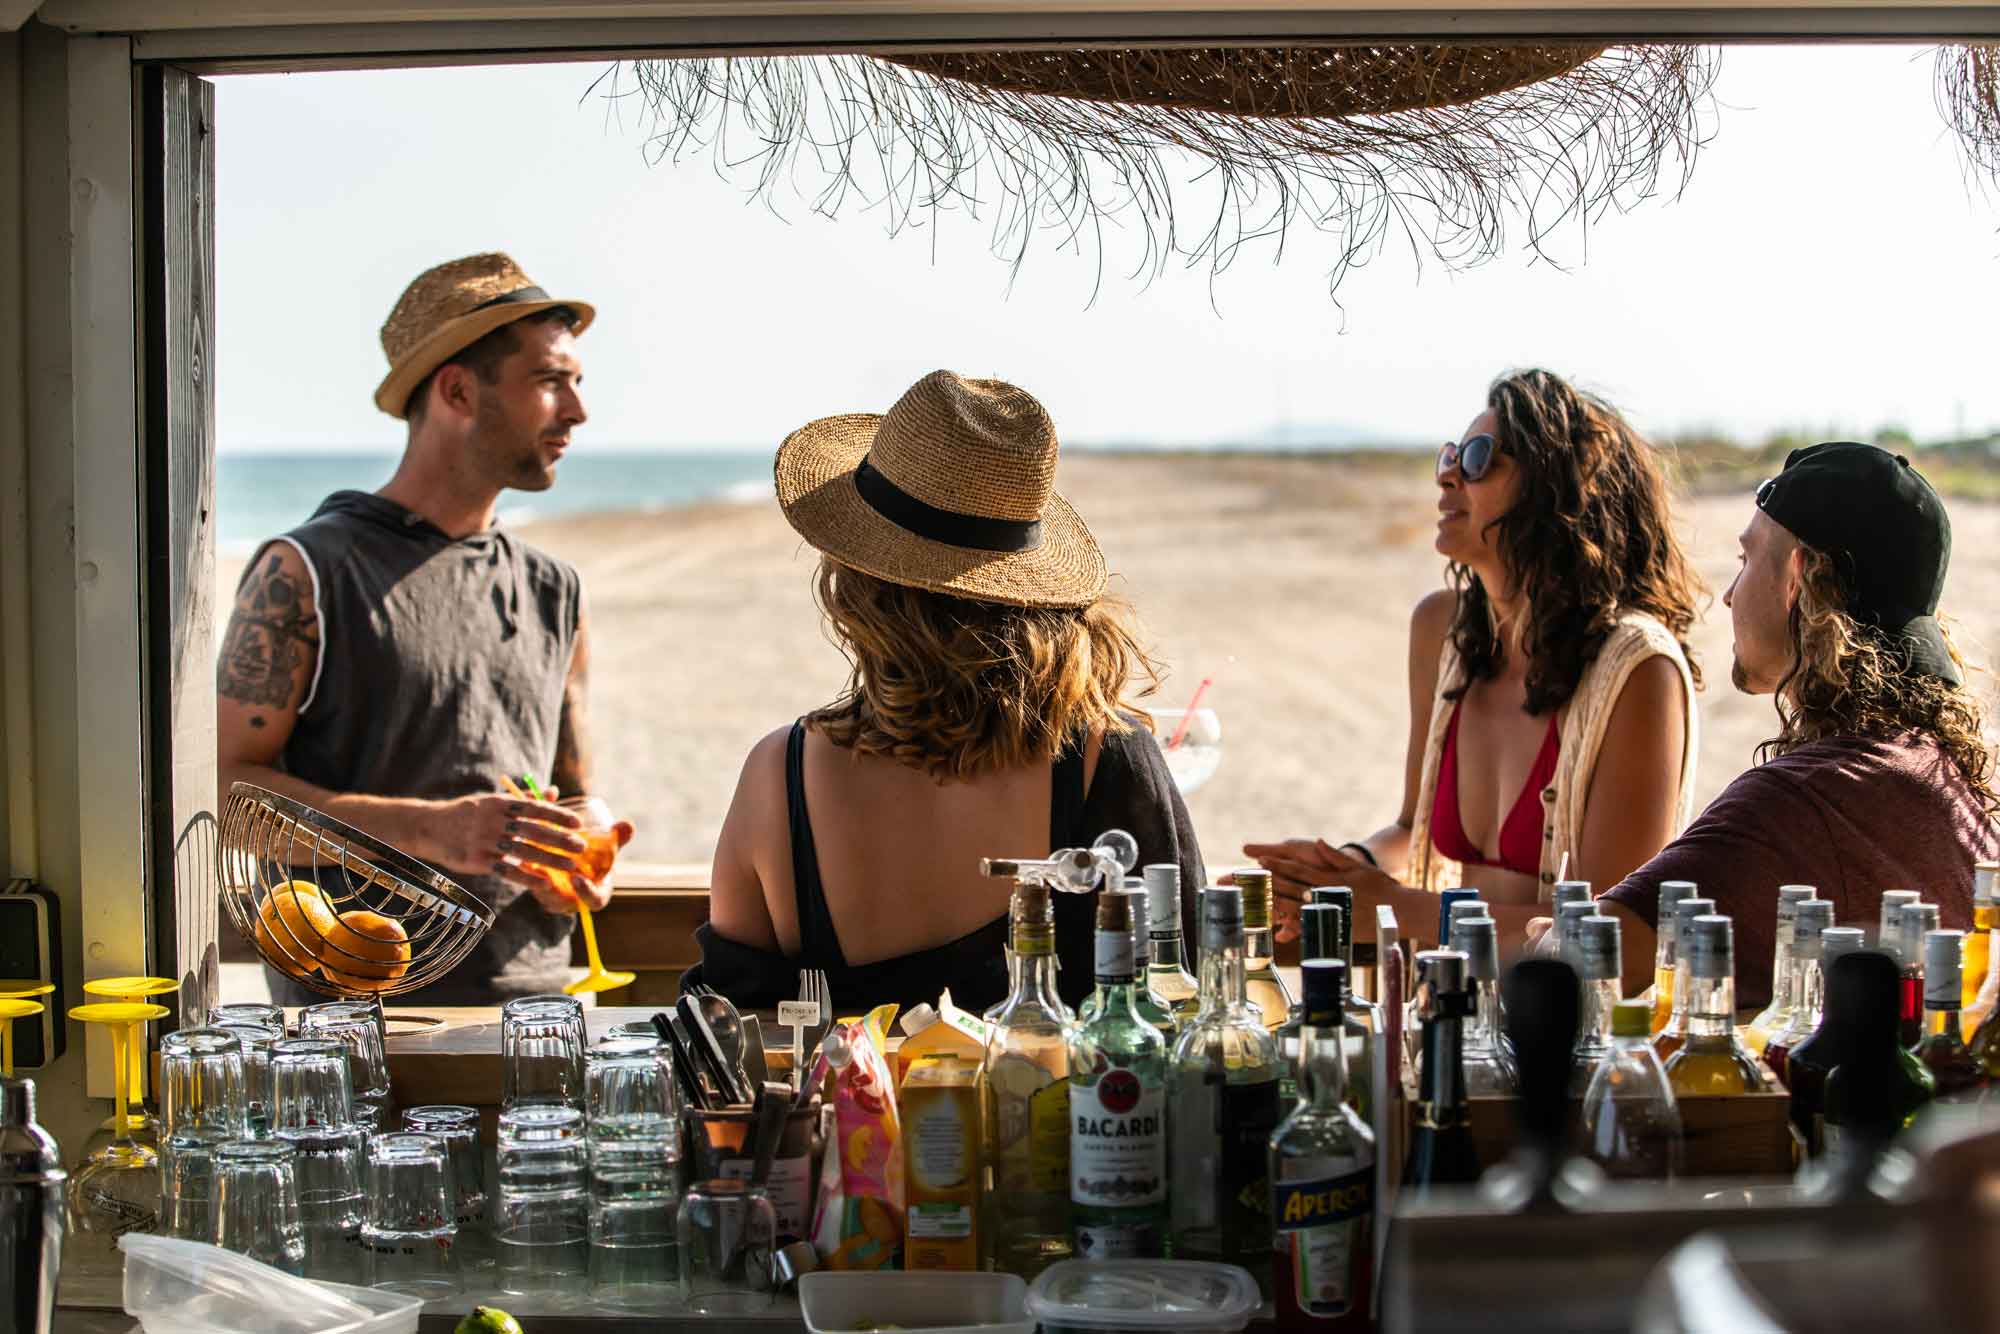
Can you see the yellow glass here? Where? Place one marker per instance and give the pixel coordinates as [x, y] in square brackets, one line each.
[133, 990]
[117, 1187]
[25, 993]
[12, 1008]
[598, 831]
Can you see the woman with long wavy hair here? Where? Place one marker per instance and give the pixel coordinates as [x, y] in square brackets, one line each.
[987, 714]
[1552, 712]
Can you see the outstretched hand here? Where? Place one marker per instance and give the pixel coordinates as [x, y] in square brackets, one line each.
[1298, 864]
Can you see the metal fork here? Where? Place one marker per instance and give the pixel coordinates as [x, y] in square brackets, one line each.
[807, 1028]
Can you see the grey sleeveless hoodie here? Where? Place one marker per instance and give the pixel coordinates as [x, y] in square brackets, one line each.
[441, 668]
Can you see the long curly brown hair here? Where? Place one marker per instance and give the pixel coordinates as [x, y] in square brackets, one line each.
[1845, 680]
[959, 688]
[1589, 535]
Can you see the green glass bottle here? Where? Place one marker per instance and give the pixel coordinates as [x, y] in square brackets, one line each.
[1118, 1105]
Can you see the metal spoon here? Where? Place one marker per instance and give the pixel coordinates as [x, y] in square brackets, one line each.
[724, 1022]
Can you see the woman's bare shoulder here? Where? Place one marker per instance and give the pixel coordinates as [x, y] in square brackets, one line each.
[1431, 620]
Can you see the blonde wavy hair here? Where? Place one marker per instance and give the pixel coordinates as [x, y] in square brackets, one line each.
[1845, 680]
[959, 688]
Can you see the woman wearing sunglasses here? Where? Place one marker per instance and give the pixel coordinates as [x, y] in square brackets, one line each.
[1551, 683]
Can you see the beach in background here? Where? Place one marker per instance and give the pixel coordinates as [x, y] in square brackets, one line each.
[1288, 579]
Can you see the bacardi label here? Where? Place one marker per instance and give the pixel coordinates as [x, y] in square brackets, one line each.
[1118, 1142]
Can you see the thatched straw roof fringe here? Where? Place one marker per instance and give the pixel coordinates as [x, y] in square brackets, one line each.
[1968, 91]
[1446, 144]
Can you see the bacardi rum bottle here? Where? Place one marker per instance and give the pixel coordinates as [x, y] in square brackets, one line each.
[1118, 1106]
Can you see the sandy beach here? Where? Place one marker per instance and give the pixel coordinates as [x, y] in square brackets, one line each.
[1288, 580]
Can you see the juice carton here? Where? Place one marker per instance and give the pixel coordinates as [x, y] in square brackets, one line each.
[940, 1103]
[950, 1032]
[858, 1218]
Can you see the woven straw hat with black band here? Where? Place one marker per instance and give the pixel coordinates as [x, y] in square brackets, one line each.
[953, 490]
[451, 307]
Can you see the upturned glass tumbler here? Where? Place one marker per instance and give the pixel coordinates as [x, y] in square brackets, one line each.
[312, 1110]
[541, 1052]
[354, 1026]
[634, 1167]
[726, 1234]
[541, 1227]
[458, 1127]
[408, 1240]
[202, 1105]
[254, 1207]
[257, 1040]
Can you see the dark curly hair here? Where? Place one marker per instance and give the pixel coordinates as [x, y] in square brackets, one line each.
[1846, 680]
[1589, 535]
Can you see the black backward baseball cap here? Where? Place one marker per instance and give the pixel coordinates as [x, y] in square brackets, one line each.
[1888, 535]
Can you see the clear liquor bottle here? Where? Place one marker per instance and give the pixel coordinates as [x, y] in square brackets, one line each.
[1778, 1013]
[1322, 1170]
[1810, 921]
[1118, 1104]
[1595, 952]
[1942, 1048]
[1669, 1039]
[1564, 891]
[1319, 938]
[1024, 1085]
[1913, 923]
[1568, 922]
[1982, 978]
[1266, 991]
[1166, 971]
[1631, 1124]
[1888, 935]
[1222, 1105]
[1362, 1018]
[1712, 1060]
[1489, 1059]
[1664, 953]
[1441, 1150]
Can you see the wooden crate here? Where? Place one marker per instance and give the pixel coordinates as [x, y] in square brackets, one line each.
[1745, 1136]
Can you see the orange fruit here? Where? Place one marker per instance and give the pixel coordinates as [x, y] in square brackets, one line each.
[366, 951]
[292, 926]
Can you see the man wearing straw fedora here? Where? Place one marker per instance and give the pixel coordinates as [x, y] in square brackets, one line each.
[395, 658]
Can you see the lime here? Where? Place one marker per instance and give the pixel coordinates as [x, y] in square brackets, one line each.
[488, 1320]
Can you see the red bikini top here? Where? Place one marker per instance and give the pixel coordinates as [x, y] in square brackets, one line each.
[1520, 836]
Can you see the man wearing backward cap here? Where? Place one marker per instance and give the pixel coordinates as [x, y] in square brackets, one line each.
[1879, 777]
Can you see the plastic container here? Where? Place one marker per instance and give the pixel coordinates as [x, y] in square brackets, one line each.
[1143, 1296]
[189, 1287]
[920, 1303]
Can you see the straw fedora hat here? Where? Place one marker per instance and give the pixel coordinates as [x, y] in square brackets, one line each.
[451, 307]
[953, 490]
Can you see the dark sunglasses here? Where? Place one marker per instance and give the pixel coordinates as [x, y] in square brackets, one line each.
[1473, 458]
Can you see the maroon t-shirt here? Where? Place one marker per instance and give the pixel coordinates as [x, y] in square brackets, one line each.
[1851, 817]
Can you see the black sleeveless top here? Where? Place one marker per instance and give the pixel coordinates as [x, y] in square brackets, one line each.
[1131, 790]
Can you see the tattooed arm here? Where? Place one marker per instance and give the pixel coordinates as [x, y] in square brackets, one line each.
[269, 654]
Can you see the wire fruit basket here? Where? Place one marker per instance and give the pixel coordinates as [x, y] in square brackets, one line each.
[337, 910]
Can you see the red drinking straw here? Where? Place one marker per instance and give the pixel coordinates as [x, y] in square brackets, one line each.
[1180, 733]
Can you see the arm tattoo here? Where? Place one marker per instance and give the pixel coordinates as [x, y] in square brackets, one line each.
[270, 635]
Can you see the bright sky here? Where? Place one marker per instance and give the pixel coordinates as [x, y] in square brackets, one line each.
[1829, 268]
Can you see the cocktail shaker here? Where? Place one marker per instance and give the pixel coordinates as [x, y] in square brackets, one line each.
[31, 1213]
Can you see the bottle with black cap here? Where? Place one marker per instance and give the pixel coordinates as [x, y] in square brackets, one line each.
[1362, 1017]
[1322, 1169]
[1319, 938]
[1441, 1150]
[1809, 1061]
[1543, 1007]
